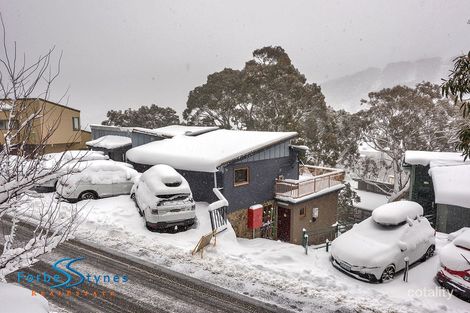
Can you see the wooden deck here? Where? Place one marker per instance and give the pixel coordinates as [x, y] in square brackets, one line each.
[312, 179]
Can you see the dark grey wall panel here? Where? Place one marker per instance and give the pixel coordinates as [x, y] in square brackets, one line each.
[262, 179]
[451, 218]
[98, 133]
[139, 139]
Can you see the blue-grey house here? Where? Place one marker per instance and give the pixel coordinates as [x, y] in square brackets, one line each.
[252, 168]
[440, 181]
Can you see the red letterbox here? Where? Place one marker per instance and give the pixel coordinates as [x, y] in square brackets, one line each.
[255, 216]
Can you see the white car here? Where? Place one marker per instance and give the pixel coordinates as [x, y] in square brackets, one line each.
[375, 249]
[97, 179]
[61, 163]
[455, 264]
[164, 199]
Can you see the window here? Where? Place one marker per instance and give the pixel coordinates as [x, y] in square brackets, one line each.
[4, 124]
[76, 123]
[241, 176]
[302, 212]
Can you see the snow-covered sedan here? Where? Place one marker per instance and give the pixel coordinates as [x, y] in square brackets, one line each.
[375, 249]
[61, 163]
[455, 264]
[164, 199]
[97, 179]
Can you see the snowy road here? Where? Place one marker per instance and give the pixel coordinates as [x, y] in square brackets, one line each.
[149, 288]
[269, 271]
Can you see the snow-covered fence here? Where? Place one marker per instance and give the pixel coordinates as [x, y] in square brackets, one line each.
[218, 212]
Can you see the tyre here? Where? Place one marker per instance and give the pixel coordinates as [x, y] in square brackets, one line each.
[429, 253]
[388, 274]
[88, 195]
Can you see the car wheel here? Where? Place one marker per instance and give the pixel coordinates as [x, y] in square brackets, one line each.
[388, 274]
[88, 195]
[429, 253]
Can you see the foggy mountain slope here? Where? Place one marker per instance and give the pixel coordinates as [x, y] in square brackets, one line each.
[347, 91]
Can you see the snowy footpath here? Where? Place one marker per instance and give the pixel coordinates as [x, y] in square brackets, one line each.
[267, 270]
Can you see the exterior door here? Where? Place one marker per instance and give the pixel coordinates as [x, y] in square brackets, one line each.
[283, 224]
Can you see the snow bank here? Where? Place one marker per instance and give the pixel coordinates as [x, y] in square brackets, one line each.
[16, 299]
[425, 157]
[396, 212]
[205, 152]
[451, 184]
[110, 142]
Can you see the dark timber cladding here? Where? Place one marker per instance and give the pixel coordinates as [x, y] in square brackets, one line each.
[422, 190]
[140, 138]
[98, 131]
[263, 170]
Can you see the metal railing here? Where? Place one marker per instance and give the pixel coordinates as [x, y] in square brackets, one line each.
[218, 212]
[320, 179]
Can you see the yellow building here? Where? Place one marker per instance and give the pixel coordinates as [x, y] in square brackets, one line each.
[42, 122]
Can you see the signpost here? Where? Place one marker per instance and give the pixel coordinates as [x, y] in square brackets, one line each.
[204, 242]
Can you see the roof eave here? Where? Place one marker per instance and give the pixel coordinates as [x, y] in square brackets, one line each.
[256, 150]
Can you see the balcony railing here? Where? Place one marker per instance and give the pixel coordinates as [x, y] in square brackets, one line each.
[312, 179]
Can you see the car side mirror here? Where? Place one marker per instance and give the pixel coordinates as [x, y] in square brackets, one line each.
[403, 246]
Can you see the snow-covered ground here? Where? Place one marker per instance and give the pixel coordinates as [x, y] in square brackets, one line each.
[271, 271]
[16, 299]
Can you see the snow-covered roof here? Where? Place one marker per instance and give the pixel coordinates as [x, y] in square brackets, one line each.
[177, 130]
[119, 128]
[206, 152]
[451, 184]
[5, 106]
[369, 200]
[110, 142]
[425, 157]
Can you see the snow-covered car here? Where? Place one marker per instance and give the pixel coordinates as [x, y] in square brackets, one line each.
[455, 264]
[97, 179]
[164, 199]
[375, 249]
[61, 163]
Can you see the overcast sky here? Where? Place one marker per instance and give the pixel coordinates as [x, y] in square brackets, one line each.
[120, 54]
